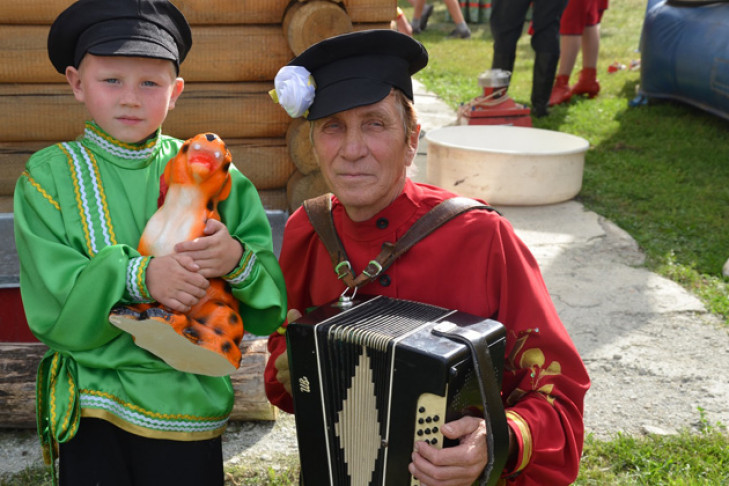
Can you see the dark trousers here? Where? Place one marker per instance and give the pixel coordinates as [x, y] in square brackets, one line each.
[104, 455]
[508, 22]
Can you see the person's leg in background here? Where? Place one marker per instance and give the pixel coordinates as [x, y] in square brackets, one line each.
[461, 31]
[588, 83]
[545, 42]
[572, 25]
[421, 14]
[507, 24]
[401, 23]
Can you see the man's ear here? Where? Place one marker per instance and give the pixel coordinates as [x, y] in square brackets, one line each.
[413, 144]
[73, 77]
[177, 90]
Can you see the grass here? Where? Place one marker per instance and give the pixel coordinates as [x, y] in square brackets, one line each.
[659, 171]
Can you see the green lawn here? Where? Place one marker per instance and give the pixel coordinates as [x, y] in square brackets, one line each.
[659, 171]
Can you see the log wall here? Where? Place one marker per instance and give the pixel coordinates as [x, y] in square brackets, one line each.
[238, 46]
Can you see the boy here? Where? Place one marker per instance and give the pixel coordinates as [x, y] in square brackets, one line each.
[120, 415]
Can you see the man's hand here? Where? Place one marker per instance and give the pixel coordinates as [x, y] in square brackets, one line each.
[460, 465]
[173, 281]
[283, 375]
[216, 254]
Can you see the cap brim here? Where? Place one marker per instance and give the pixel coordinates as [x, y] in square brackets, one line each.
[346, 95]
[132, 48]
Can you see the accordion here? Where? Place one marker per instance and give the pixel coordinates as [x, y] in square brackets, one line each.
[371, 378]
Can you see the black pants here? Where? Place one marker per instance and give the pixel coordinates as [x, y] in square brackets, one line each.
[104, 455]
[508, 22]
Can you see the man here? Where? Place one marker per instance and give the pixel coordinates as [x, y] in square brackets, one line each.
[365, 133]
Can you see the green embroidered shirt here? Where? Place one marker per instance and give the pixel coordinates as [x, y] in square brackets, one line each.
[80, 209]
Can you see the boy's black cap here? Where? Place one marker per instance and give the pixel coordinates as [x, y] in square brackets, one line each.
[139, 28]
[360, 68]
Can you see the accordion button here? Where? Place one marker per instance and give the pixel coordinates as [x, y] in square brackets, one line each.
[382, 223]
[385, 280]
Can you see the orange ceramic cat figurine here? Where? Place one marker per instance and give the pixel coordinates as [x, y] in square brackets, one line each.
[206, 339]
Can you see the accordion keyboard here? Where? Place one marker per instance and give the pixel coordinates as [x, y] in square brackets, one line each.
[429, 417]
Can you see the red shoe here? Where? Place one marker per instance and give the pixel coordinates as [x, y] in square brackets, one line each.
[587, 84]
[561, 92]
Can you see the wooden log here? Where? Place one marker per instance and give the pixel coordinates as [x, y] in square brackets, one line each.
[223, 53]
[274, 199]
[232, 110]
[18, 366]
[13, 156]
[302, 187]
[265, 161]
[306, 23]
[6, 204]
[363, 11]
[19, 363]
[299, 145]
[251, 402]
[210, 12]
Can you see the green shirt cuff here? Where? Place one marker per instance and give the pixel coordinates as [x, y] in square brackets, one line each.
[244, 269]
[136, 284]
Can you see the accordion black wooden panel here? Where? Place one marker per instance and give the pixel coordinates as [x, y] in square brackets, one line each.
[371, 379]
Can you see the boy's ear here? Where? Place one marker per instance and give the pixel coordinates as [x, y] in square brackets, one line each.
[177, 89]
[73, 77]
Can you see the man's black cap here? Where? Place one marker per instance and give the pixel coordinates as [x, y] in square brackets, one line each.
[138, 28]
[360, 68]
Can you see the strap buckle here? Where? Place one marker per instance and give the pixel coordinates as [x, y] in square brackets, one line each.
[348, 269]
[377, 270]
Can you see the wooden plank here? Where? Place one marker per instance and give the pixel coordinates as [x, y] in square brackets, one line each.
[19, 363]
[210, 12]
[232, 110]
[265, 161]
[43, 12]
[363, 11]
[219, 54]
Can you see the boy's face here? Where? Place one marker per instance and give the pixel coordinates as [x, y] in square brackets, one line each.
[128, 97]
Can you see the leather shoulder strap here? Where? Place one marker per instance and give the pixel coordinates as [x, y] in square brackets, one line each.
[319, 211]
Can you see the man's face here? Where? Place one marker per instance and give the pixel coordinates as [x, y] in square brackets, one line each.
[128, 97]
[363, 155]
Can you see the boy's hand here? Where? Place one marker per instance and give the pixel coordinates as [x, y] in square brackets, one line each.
[173, 281]
[216, 254]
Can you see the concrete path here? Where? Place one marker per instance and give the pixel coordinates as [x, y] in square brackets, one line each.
[656, 358]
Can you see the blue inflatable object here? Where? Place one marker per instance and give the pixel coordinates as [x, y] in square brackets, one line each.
[685, 53]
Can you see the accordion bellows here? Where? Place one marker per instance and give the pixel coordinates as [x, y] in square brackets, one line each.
[371, 379]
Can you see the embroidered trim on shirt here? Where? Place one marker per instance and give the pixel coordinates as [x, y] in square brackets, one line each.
[117, 148]
[38, 188]
[149, 420]
[135, 281]
[525, 454]
[243, 270]
[90, 197]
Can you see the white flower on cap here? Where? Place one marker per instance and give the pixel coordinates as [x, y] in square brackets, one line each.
[294, 90]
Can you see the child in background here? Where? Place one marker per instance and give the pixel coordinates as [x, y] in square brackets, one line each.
[118, 414]
[579, 27]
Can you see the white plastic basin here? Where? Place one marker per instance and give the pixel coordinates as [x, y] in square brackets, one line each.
[506, 165]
